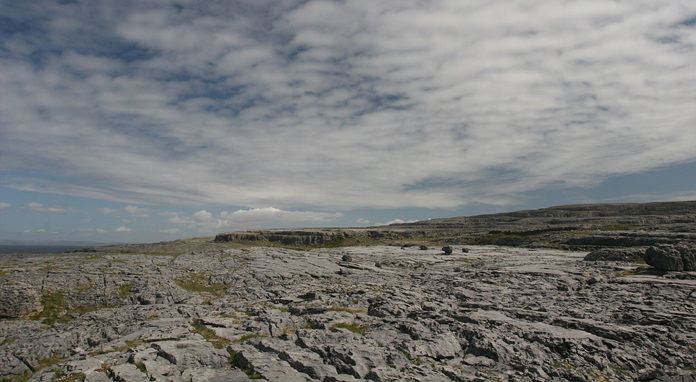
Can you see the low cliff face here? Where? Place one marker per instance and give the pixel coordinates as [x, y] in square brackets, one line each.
[294, 237]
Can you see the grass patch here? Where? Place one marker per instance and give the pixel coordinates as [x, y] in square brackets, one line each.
[353, 327]
[249, 336]
[54, 308]
[124, 290]
[415, 361]
[345, 309]
[129, 345]
[618, 227]
[19, 378]
[8, 341]
[209, 334]
[619, 370]
[641, 271]
[141, 367]
[563, 366]
[232, 358]
[200, 283]
[85, 287]
[72, 377]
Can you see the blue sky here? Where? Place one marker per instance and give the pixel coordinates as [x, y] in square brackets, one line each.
[147, 121]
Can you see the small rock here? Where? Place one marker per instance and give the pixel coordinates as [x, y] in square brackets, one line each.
[447, 250]
[423, 247]
[347, 258]
[465, 250]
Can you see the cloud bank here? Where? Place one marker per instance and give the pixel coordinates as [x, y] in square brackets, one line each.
[204, 221]
[341, 105]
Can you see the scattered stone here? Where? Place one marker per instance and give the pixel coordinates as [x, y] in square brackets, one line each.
[465, 250]
[347, 258]
[447, 250]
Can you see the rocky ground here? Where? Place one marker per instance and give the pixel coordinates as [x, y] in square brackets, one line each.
[210, 311]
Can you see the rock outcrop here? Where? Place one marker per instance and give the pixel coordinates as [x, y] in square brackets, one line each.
[616, 254]
[678, 257]
[355, 313]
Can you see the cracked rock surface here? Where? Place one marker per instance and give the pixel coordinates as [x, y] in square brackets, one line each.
[357, 313]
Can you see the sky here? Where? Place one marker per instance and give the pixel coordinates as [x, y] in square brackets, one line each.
[132, 121]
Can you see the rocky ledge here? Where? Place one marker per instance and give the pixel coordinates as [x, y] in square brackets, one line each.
[381, 313]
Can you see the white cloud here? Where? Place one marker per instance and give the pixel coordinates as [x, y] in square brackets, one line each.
[396, 221]
[345, 105]
[38, 207]
[123, 229]
[106, 210]
[170, 230]
[205, 221]
[362, 221]
[137, 211]
[4, 205]
[40, 230]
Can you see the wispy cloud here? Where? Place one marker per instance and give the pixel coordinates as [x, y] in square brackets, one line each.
[38, 207]
[4, 205]
[339, 105]
[137, 211]
[106, 210]
[123, 229]
[252, 218]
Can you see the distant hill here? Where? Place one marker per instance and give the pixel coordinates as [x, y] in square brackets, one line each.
[580, 226]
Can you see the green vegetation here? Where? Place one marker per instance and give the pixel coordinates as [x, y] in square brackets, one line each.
[619, 370]
[8, 341]
[209, 334]
[85, 287]
[19, 378]
[563, 366]
[200, 283]
[129, 345]
[54, 308]
[641, 271]
[124, 290]
[415, 361]
[141, 367]
[70, 377]
[251, 374]
[353, 327]
[344, 309]
[618, 227]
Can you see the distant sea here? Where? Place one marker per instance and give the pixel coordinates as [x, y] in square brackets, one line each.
[5, 249]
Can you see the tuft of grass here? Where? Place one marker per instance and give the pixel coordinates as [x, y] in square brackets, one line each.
[353, 327]
[619, 370]
[563, 366]
[124, 290]
[72, 377]
[19, 378]
[54, 308]
[141, 367]
[200, 283]
[232, 358]
[249, 336]
[85, 287]
[641, 271]
[209, 334]
[345, 309]
[8, 341]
